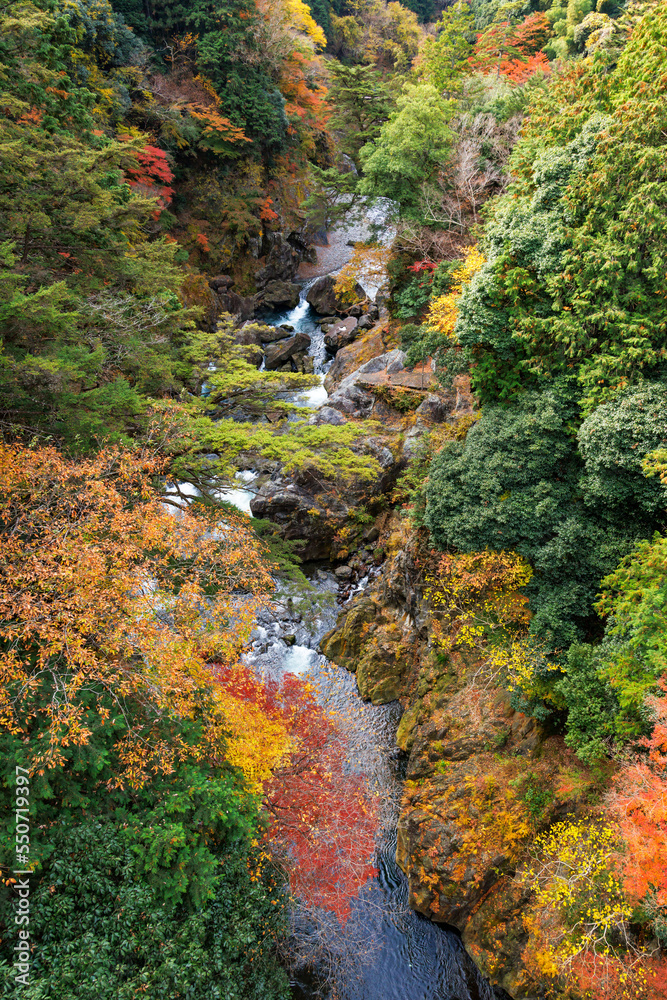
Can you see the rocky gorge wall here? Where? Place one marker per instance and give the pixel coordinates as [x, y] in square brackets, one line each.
[482, 778]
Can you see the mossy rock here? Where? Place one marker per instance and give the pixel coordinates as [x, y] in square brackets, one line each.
[405, 734]
[343, 645]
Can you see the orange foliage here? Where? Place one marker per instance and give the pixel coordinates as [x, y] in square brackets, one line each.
[266, 213]
[105, 594]
[218, 130]
[513, 51]
[519, 70]
[604, 977]
[640, 801]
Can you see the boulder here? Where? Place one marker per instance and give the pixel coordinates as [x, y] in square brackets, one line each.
[322, 297]
[279, 353]
[327, 415]
[282, 256]
[248, 336]
[221, 282]
[270, 334]
[278, 295]
[435, 409]
[227, 301]
[340, 333]
[351, 397]
[365, 322]
[291, 507]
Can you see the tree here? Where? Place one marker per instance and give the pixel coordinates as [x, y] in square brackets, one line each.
[514, 484]
[579, 929]
[102, 597]
[640, 802]
[324, 816]
[443, 58]
[410, 149]
[564, 242]
[373, 31]
[361, 105]
[323, 813]
[633, 656]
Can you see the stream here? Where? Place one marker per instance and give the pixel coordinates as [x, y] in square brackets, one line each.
[387, 951]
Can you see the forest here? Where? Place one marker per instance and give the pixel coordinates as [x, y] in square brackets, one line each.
[191, 827]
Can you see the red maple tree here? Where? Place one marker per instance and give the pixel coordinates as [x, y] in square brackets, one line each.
[640, 801]
[152, 176]
[513, 50]
[324, 818]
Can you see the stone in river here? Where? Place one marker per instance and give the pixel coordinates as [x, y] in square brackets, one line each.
[279, 295]
[343, 572]
[279, 353]
[322, 296]
[327, 415]
[341, 333]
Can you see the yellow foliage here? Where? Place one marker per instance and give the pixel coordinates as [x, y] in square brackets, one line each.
[105, 590]
[367, 266]
[288, 21]
[580, 911]
[256, 741]
[476, 594]
[301, 19]
[443, 310]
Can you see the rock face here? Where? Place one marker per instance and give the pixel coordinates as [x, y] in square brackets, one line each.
[322, 297]
[482, 778]
[282, 256]
[278, 295]
[352, 397]
[280, 352]
[310, 510]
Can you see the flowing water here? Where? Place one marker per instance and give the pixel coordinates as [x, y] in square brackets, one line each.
[387, 951]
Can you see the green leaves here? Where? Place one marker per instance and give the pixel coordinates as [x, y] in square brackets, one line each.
[409, 150]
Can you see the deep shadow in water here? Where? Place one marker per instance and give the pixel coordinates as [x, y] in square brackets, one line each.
[408, 957]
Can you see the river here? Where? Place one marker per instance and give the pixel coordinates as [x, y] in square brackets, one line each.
[386, 951]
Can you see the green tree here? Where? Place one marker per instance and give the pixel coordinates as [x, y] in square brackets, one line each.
[572, 279]
[410, 150]
[515, 484]
[153, 889]
[361, 105]
[443, 59]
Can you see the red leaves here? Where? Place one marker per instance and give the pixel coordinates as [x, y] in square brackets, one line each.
[323, 816]
[513, 51]
[422, 265]
[641, 805]
[152, 176]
